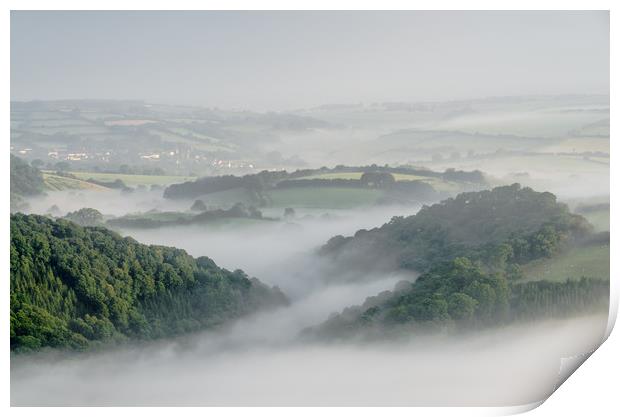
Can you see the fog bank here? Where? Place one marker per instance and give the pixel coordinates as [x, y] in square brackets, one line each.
[512, 366]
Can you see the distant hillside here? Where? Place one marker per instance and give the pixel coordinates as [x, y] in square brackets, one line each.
[395, 185]
[470, 251]
[76, 287]
[457, 226]
[25, 181]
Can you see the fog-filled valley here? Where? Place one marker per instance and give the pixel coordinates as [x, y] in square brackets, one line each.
[268, 358]
[509, 367]
[265, 359]
[417, 214]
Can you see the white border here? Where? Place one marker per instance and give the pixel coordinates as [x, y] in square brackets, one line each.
[593, 388]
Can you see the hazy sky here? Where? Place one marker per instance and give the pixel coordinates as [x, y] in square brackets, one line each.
[277, 60]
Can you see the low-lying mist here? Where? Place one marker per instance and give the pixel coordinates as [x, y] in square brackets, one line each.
[278, 253]
[108, 202]
[515, 365]
[261, 360]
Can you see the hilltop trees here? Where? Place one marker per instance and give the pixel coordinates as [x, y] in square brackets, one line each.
[86, 217]
[528, 224]
[468, 250]
[377, 179]
[75, 287]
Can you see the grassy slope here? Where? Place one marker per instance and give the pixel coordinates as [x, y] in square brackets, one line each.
[58, 183]
[133, 180]
[588, 261]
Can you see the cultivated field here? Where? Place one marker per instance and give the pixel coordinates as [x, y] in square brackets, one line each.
[132, 180]
[59, 183]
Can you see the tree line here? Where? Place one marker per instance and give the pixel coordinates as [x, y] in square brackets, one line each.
[373, 176]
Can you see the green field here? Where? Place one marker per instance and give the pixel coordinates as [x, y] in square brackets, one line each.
[59, 183]
[133, 180]
[323, 197]
[588, 261]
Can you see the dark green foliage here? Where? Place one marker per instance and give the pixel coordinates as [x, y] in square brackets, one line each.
[73, 286]
[26, 181]
[457, 290]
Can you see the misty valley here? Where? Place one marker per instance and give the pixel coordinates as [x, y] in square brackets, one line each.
[432, 253]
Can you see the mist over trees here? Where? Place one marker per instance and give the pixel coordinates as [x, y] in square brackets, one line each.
[393, 208]
[86, 217]
[26, 181]
[469, 250]
[470, 220]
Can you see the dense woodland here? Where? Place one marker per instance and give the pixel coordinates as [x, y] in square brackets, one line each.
[76, 287]
[469, 250]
